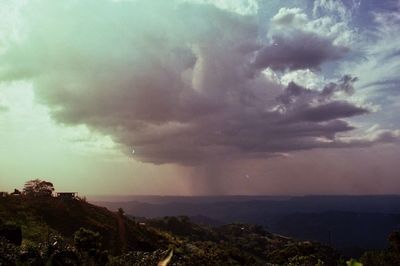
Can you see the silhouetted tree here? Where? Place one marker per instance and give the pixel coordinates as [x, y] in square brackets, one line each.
[38, 188]
[121, 212]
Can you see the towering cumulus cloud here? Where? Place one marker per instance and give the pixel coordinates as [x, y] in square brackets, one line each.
[180, 82]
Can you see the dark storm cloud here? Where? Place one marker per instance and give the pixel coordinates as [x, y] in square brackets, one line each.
[298, 50]
[177, 83]
[329, 111]
[345, 84]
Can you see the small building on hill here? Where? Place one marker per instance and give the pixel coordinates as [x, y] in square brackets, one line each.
[67, 195]
[16, 193]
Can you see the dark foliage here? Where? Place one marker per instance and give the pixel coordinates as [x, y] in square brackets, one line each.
[57, 232]
[389, 257]
[8, 252]
[11, 232]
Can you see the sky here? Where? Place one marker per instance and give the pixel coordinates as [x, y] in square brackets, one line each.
[201, 97]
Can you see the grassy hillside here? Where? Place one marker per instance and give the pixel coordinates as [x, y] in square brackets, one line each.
[41, 218]
[46, 222]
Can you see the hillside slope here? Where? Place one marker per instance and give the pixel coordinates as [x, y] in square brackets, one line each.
[41, 217]
[128, 242]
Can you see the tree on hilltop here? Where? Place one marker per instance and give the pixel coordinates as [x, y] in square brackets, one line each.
[38, 188]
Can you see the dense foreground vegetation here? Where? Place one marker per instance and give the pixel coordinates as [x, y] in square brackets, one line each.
[45, 230]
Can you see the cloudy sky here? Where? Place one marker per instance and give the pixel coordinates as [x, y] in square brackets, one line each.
[195, 97]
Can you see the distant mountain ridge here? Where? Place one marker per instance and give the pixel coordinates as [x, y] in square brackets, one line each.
[352, 224]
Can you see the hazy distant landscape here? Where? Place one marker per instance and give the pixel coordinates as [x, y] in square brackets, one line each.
[351, 224]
